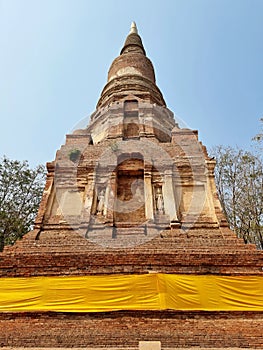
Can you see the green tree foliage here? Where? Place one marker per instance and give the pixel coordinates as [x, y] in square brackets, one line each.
[239, 180]
[20, 194]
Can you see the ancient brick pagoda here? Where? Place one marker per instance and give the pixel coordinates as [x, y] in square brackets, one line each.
[130, 243]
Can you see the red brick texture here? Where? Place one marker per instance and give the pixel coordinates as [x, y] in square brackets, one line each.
[126, 329]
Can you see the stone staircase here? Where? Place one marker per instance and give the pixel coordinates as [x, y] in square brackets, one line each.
[128, 228]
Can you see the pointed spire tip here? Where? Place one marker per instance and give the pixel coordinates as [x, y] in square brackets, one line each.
[133, 29]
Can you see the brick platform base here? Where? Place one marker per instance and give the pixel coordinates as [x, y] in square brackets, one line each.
[121, 330]
[130, 348]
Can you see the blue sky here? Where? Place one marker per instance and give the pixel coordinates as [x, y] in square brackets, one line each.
[55, 55]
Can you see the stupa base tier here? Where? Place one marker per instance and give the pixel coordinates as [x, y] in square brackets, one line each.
[71, 252]
[124, 330]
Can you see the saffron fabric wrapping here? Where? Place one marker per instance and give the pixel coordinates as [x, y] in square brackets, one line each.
[132, 292]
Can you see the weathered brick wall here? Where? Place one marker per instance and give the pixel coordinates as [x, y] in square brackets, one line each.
[68, 253]
[126, 329]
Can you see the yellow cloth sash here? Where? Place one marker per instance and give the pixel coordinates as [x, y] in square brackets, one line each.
[132, 292]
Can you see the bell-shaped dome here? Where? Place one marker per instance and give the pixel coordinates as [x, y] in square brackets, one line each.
[131, 73]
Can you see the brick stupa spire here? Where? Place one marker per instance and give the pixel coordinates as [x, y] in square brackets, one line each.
[130, 243]
[131, 72]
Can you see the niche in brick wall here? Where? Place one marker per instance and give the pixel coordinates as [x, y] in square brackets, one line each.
[129, 203]
[131, 120]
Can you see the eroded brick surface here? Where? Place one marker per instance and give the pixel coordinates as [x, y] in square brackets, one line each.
[126, 329]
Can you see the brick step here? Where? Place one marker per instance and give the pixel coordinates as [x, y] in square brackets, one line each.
[149, 244]
[124, 231]
[189, 241]
[128, 224]
[160, 243]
